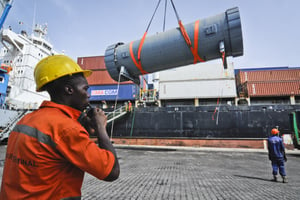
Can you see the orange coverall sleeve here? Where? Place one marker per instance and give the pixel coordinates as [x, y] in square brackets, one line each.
[76, 146]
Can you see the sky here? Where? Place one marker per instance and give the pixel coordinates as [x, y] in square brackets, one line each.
[270, 28]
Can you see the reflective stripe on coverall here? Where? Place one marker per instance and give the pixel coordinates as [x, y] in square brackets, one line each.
[47, 154]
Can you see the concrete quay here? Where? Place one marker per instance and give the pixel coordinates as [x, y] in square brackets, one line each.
[187, 173]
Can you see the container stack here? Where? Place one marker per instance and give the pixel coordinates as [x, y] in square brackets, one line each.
[268, 82]
[201, 81]
[102, 87]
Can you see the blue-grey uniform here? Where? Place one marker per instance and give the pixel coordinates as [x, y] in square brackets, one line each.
[276, 154]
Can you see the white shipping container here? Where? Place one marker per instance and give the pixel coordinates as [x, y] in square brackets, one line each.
[197, 89]
[200, 71]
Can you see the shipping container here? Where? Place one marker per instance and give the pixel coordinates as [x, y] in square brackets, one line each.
[100, 75]
[262, 69]
[100, 78]
[200, 71]
[274, 88]
[268, 75]
[197, 81]
[3, 83]
[92, 62]
[111, 92]
[103, 78]
[197, 89]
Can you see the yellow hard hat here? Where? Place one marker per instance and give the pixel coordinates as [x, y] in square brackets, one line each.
[54, 67]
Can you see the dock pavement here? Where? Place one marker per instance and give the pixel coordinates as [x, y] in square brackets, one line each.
[187, 173]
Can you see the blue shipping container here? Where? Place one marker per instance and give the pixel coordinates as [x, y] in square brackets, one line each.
[3, 83]
[110, 92]
[3, 87]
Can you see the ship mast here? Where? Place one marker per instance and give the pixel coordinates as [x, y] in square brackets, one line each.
[34, 16]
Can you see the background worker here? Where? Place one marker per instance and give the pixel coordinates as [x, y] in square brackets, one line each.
[49, 150]
[277, 155]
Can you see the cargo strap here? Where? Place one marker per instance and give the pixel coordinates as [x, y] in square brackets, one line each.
[222, 51]
[196, 42]
[223, 57]
[138, 62]
[216, 110]
[186, 37]
[194, 50]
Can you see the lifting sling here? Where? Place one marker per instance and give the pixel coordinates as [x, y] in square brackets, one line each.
[194, 49]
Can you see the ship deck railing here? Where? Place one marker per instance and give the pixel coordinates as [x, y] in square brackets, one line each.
[119, 112]
[6, 131]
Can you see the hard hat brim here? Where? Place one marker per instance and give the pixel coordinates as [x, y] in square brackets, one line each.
[86, 73]
[56, 66]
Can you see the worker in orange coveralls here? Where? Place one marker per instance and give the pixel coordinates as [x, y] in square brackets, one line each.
[49, 149]
[129, 106]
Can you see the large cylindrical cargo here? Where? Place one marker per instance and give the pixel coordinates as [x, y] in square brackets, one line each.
[209, 38]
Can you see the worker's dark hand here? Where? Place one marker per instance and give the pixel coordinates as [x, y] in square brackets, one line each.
[98, 119]
[285, 158]
[86, 121]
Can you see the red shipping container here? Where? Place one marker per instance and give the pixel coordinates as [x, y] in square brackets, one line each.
[100, 75]
[275, 88]
[268, 75]
[103, 78]
[91, 63]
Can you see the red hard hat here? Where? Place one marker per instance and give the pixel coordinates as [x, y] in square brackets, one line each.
[274, 131]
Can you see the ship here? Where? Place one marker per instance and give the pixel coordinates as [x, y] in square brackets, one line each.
[200, 105]
[218, 107]
[19, 54]
[194, 103]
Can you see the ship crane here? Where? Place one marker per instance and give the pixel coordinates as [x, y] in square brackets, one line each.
[6, 4]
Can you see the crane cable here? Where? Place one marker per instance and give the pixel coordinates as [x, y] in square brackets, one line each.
[194, 50]
[165, 12]
[137, 61]
[115, 107]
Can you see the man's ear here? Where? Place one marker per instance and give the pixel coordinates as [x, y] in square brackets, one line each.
[69, 89]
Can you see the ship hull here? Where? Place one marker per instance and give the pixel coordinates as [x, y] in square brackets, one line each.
[205, 122]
